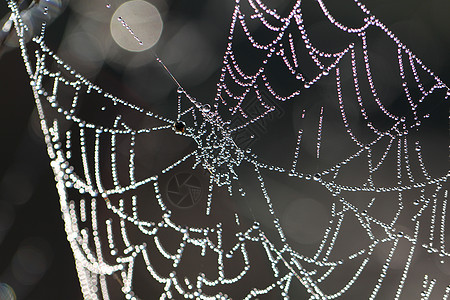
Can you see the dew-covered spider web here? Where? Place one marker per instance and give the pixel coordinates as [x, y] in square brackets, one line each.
[346, 199]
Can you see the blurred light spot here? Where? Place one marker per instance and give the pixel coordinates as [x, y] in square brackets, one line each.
[190, 56]
[7, 26]
[143, 20]
[6, 219]
[16, 185]
[305, 220]
[31, 261]
[7, 292]
[398, 260]
[86, 47]
[94, 10]
[149, 83]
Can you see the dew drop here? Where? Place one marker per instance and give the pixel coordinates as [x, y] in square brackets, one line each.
[206, 108]
[108, 5]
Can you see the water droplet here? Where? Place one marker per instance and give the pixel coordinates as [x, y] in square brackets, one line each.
[45, 10]
[103, 108]
[108, 5]
[206, 108]
[317, 176]
[180, 90]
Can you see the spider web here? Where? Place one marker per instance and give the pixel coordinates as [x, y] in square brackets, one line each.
[366, 160]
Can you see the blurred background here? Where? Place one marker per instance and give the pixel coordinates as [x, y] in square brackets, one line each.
[190, 36]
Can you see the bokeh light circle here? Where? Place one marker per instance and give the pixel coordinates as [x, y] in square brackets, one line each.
[7, 292]
[144, 21]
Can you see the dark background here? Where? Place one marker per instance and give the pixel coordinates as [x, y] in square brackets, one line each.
[35, 258]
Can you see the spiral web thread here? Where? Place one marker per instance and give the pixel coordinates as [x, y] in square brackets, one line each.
[105, 251]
